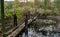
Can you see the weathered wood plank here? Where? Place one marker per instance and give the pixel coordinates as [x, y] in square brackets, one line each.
[16, 32]
[10, 31]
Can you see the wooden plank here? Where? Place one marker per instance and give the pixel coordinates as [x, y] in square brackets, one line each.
[31, 20]
[16, 32]
[10, 31]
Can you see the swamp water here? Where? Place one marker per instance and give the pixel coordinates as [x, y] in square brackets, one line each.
[33, 31]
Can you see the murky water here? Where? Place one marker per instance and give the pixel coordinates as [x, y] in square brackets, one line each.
[33, 30]
[33, 33]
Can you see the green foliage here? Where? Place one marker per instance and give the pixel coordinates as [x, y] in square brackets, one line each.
[13, 8]
[18, 12]
[57, 5]
[30, 4]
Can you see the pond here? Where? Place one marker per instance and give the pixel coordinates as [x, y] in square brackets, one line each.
[33, 33]
[41, 28]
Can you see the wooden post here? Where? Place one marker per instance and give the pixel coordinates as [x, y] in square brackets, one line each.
[26, 19]
[15, 20]
[28, 14]
[2, 18]
[26, 24]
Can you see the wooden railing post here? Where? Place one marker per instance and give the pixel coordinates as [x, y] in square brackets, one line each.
[28, 15]
[26, 19]
[26, 24]
[15, 20]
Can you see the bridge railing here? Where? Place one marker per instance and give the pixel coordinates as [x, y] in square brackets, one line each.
[11, 24]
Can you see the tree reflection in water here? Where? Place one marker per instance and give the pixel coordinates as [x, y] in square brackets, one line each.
[33, 33]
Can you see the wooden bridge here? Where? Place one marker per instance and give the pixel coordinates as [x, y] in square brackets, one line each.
[19, 28]
[15, 31]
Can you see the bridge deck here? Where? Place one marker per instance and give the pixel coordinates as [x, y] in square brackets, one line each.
[20, 27]
[13, 34]
[18, 30]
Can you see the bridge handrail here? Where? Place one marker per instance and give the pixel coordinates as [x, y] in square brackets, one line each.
[10, 31]
[13, 34]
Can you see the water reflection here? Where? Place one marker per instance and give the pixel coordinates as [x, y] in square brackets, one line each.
[48, 34]
[30, 32]
[23, 35]
[40, 34]
[33, 33]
